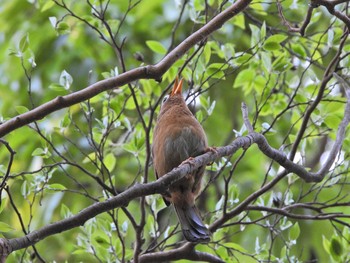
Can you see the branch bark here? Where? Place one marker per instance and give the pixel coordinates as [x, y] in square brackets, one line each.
[184, 252]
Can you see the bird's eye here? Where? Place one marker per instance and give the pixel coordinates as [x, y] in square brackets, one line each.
[166, 97]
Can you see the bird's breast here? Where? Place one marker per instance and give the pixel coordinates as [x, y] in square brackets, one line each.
[178, 135]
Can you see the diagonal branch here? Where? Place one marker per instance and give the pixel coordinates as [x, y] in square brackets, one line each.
[147, 72]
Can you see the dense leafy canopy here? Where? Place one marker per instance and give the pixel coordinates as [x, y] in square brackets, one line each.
[91, 151]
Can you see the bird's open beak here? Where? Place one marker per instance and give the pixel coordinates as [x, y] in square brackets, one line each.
[177, 89]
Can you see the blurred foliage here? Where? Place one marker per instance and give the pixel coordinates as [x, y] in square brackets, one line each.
[96, 149]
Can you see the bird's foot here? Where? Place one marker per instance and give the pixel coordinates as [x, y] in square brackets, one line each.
[189, 161]
[212, 150]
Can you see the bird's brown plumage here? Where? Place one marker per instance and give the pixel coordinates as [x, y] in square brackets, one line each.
[178, 136]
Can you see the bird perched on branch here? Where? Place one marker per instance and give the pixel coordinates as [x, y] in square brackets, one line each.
[178, 137]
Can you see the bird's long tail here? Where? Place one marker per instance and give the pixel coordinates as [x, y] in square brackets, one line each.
[192, 225]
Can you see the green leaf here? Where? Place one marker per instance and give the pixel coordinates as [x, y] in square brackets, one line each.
[273, 42]
[24, 189]
[65, 211]
[294, 231]
[130, 147]
[270, 46]
[156, 47]
[239, 21]
[255, 38]
[243, 58]
[207, 53]
[278, 38]
[56, 187]
[283, 253]
[332, 121]
[24, 43]
[263, 31]
[65, 121]
[110, 161]
[21, 109]
[216, 70]
[38, 152]
[62, 28]
[235, 247]
[3, 203]
[326, 244]
[57, 87]
[47, 5]
[336, 248]
[266, 59]
[5, 227]
[299, 49]
[244, 77]
[281, 64]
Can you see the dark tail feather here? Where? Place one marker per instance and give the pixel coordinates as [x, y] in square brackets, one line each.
[192, 226]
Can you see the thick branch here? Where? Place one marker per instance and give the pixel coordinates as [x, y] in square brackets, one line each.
[184, 252]
[330, 5]
[147, 72]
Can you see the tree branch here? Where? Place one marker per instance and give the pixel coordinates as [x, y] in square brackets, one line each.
[284, 212]
[330, 5]
[147, 72]
[184, 252]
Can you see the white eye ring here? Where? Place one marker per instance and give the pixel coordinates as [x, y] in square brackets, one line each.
[166, 97]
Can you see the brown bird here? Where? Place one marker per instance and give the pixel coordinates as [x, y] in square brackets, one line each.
[178, 137]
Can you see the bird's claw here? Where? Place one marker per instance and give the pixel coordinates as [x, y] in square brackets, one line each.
[212, 150]
[189, 161]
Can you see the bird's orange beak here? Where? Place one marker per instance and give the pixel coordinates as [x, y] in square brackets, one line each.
[177, 89]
